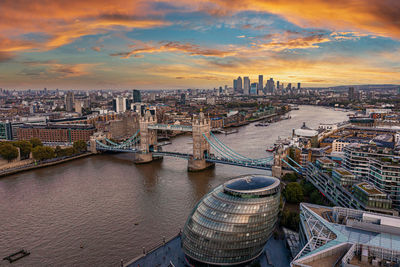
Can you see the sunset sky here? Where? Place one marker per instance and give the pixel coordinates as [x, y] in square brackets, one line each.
[150, 44]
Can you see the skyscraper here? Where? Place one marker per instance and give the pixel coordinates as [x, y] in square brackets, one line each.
[260, 82]
[235, 85]
[137, 98]
[277, 86]
[239, 85]
[246, 86]
[299, 86]
[119, 104]
[352, 93]
[254, 89]
[270, 85]
[69, 101]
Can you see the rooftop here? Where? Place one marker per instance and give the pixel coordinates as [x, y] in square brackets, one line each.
[251, 184]
[340, 231]
[369, 189]
[343, 171]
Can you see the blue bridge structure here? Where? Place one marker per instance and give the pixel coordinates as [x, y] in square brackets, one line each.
[207, 148]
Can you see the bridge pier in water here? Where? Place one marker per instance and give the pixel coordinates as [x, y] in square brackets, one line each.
[201, 148]
[148, 139]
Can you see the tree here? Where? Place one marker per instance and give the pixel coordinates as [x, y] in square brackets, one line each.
[308, 187]
[8, 151]
[289, 177]
[80, 146]
[58, 151]
[290, 219]
[293, 193]
[25, 148]
[43, 152]
[316, 197]
[35, 142]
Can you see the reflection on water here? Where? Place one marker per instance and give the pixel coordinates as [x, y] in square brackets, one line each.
[115, 207]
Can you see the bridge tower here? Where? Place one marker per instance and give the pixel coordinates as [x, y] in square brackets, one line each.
[277, 167]
[98, 136]
[148, 139]
[201, 148]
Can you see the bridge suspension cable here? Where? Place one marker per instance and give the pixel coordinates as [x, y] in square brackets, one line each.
[134, 139]
[229, 151]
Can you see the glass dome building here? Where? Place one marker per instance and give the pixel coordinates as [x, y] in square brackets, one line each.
[232, 223]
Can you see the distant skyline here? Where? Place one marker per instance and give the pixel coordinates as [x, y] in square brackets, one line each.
[97, 44]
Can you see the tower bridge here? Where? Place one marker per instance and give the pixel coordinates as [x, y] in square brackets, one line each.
[207, 148]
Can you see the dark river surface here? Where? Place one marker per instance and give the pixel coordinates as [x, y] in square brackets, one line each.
[114, 207]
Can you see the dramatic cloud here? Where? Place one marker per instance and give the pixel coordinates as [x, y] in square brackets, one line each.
[61, 22]
[296, 43]
[191, 49]
[52, 69]
[378, 17]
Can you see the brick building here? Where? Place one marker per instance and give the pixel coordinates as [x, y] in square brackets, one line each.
[56, 132]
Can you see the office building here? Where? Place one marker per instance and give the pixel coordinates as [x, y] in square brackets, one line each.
[270, 85]
[352, 93]
[260, 83]
[246, 86]
[119, 104]
[232, 223]
[299, 86]
[235, 87]
[336, 236]
[69, 101]
[137, 97]
[277, 86]
[239, 85]
[6, 130]
[253, 89]
[78, 106]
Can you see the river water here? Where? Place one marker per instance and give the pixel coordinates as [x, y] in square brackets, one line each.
[112, 207]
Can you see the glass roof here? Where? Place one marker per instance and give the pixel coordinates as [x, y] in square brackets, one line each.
[250, 183]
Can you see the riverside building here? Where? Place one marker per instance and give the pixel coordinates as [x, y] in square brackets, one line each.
[229, 226]
[336, 236]
[232, 223]
[342, 188]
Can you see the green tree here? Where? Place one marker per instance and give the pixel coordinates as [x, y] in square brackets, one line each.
[308, 187]
[8, 151]
[35, 142]
[293, 193]
[316, 197]
[289, 177]
[80, 146]
[25, 148]
[58, 151]
[43, 152]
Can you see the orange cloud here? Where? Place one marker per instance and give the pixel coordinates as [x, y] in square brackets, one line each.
[191, 49]
[53, 69]
[296, 43]
[371, 16]
[64, 21]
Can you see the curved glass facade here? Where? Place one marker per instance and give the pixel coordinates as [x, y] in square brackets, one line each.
[231, 224]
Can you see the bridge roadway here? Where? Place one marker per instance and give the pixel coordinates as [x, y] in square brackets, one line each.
[170, 127]
[220, 160]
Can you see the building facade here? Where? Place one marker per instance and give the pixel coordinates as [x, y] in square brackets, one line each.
[65, 133]
[232, 223]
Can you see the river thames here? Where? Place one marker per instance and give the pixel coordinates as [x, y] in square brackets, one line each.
[111, 207]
